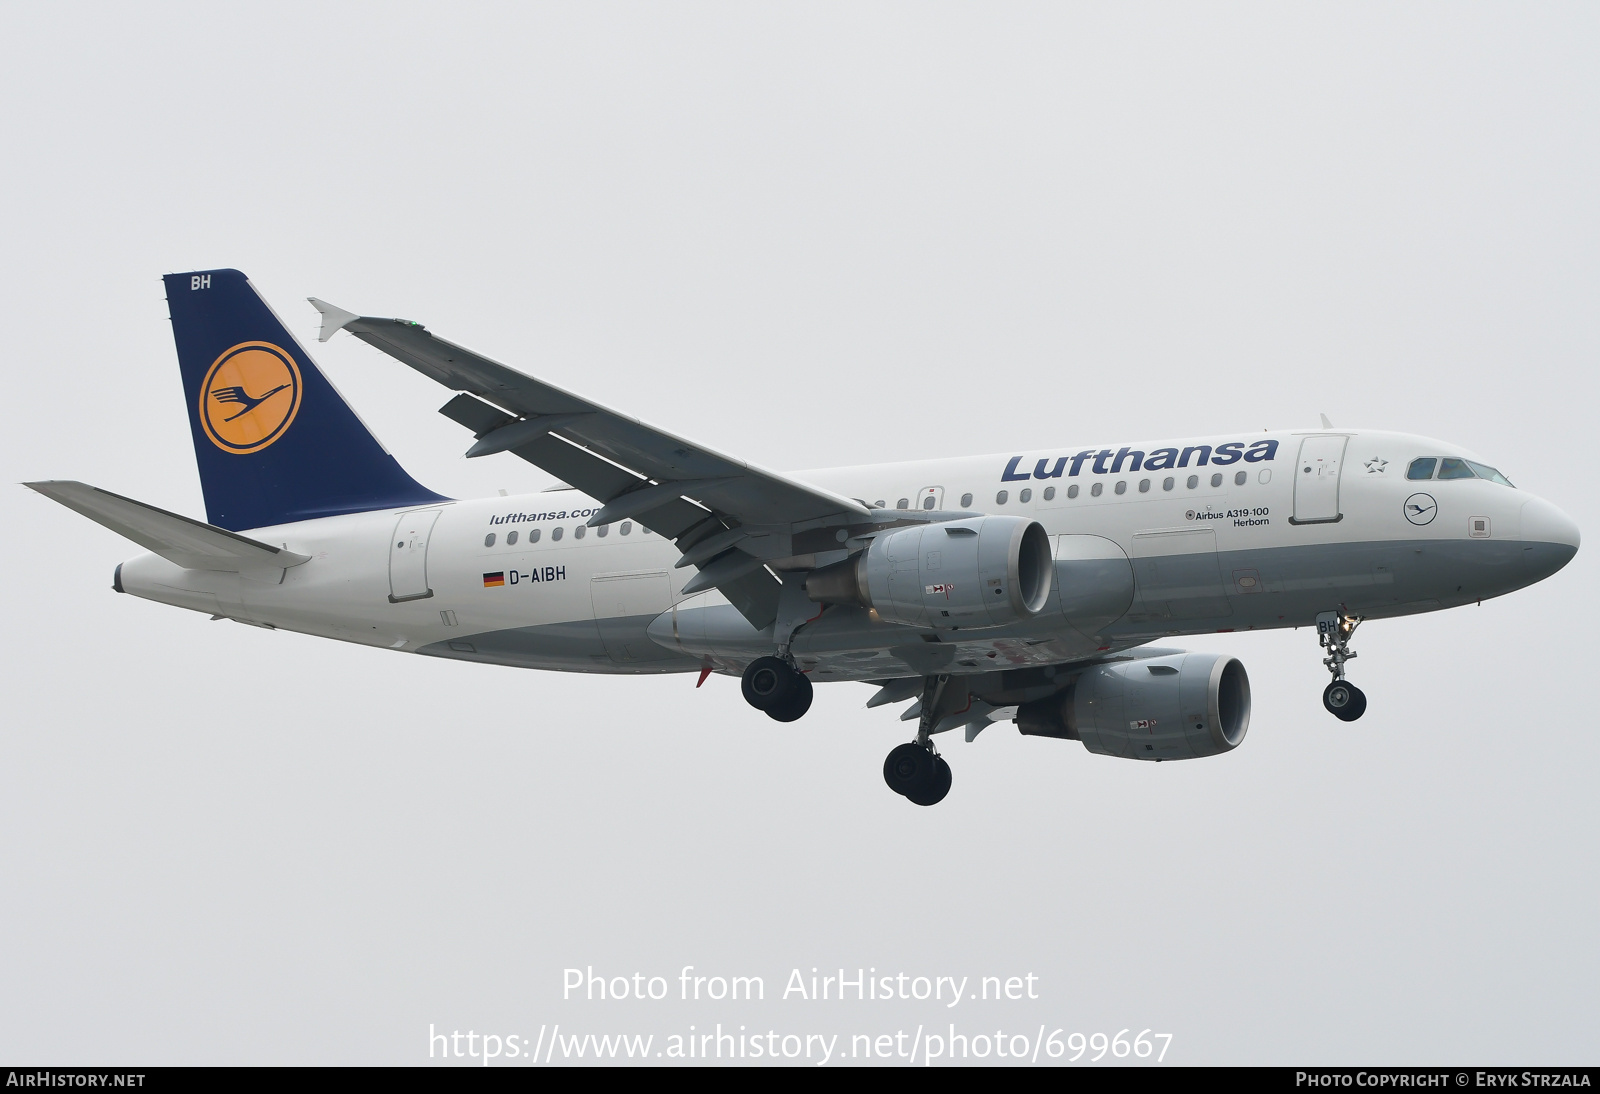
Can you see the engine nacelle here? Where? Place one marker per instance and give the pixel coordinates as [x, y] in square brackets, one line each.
[1178, 707]
[977, 572]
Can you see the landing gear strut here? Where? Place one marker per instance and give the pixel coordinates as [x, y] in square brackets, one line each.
[914, 770]
[1342, 699]
[775, 687]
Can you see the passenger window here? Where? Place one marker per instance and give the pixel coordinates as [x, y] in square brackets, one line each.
[927, 502]
[1216, 480]
[966, 501]
[878, 504]
[1239, 477]
[903, 503]
[1097, 489]
[578, 532]
[1025, 497]
[511, 538]
[1122, 488]
[1000, 498]
[488, 540]
[1194, 481]
[1454, 469]
[1144, 486]
[555, 533]
[533, 535]
[1421, 469]
[1072, 491]
[602, 530]
[1168, 483]
[627, 526]
[1049, 493]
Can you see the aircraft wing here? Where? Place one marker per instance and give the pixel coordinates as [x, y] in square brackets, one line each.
[191, 544]
[726, 515]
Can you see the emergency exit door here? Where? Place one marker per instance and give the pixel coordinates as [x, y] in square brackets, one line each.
[408, 556]
[1316, 480]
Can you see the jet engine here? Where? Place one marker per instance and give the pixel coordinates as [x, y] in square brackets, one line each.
[977, 572]
[1177, 707]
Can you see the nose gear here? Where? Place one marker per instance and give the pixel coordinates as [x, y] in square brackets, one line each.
[1341, 698]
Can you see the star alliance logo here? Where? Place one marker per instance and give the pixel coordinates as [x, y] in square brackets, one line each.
[1375, 466]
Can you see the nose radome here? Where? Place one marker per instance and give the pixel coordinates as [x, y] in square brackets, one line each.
[1544, 523]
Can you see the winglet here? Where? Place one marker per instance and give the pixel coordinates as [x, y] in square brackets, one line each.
[333, 319]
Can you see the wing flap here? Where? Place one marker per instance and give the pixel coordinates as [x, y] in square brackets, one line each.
[192, 544]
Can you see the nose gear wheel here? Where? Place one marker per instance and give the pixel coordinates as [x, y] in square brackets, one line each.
[1342, 699]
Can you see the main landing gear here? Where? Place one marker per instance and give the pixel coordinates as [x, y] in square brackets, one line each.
[918, 773]
[775, 687]
[1343, 699]
[914, 770]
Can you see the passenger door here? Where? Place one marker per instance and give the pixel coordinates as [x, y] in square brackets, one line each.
[408, 556]
[1316, 480]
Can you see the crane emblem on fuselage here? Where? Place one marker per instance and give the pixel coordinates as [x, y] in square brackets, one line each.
[1421, 508]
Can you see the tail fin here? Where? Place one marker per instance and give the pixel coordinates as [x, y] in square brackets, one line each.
[275, 442]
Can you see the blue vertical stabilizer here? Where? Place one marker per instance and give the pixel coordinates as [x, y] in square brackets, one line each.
[275, 442]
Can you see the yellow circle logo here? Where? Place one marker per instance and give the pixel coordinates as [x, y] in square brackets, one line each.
[250, 397]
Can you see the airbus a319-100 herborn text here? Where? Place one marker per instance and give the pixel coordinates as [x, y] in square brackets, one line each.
[1020, 587]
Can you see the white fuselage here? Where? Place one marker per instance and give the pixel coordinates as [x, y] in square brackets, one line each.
[1215, 543]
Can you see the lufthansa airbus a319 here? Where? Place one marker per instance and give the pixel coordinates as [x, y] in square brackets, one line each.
[1020, 587]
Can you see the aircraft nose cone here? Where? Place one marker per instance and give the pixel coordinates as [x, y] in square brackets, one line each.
[1544, 523]
[1550, 538]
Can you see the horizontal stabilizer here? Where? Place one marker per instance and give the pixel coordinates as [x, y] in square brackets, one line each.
[188, 543]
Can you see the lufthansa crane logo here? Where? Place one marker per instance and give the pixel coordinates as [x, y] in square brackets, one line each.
[249, 397]
[1421, 508]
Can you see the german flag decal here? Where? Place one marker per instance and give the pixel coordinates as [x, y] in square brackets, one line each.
[494, 581]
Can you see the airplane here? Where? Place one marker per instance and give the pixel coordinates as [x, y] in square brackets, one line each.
[1023, 587]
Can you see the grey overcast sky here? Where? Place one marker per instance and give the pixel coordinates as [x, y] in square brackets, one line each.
[809, 235]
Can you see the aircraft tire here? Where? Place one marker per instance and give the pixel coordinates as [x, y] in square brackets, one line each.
[793, 706]
[1344, 700]
[909, 769]
[767, 682]
[937, 788]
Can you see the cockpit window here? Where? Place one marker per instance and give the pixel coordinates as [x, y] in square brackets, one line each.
[1451, 467]
[1485, 472]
